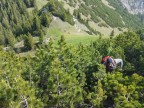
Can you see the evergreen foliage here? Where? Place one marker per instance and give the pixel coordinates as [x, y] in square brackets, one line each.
[118, 17]
[56, 9]
[112, 34]
[28, 42]
[16, 21]
[65, 76]
[29, 3]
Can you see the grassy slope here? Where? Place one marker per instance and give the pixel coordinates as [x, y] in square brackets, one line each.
[66, 28]
[104, 30]
[41, 3]
[77, 39]
[58, 28]
[73, 34]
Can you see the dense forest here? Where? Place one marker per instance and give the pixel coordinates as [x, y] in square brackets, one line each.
[16, 24]
[64, 76]
[14, 20]
[60, 75]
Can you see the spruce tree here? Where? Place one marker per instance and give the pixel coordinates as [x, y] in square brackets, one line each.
[28, 42]
[15, 90]
[37, 23]
[11, 39]
[112, 34]
[41, 37]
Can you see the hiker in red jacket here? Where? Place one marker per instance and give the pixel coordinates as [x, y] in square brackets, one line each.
[111, 63]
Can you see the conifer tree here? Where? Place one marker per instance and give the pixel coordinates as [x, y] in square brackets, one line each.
[2, 39]
[41, 37]
[37, 23]
[28, 42]
[46, 19]
[61, 84]
[15, 91]
[112, 34]
[11, 39]
[5, 22]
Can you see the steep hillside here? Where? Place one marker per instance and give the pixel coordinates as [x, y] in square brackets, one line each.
[18, 19]
[102, 15]
[69, 17]
[14, 20]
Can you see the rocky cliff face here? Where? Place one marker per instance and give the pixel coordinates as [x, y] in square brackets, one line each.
[134, 6]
